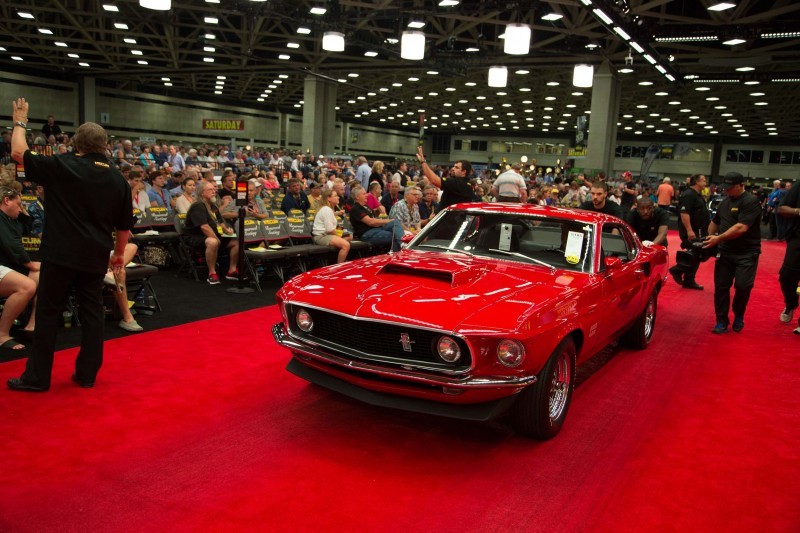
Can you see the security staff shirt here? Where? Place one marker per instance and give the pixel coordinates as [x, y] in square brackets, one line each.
[745, 209]
[692, 204]
[87, 200]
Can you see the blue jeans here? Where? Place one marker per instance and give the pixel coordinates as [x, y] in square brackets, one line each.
[388, 233]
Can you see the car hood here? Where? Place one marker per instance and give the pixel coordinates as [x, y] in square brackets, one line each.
[445, 291]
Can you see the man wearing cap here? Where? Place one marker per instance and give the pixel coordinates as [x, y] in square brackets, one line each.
[789, 275]
[510, 186]
[736, 231]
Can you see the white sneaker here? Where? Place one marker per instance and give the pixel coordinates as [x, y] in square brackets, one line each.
[131, 326]
[787, 315]
[108, 279]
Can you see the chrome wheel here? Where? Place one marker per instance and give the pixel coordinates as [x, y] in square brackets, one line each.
[650, 317]
[560, 386]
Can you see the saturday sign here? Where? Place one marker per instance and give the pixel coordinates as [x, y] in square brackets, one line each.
[223, 124]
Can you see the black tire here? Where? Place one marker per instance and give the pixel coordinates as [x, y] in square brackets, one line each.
[639, 335]
[540, 410]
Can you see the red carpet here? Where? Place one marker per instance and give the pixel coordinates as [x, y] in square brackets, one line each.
[199, 427]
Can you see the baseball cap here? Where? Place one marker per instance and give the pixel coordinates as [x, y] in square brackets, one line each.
[731, 179]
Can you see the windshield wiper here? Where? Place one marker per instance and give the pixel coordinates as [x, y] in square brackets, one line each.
[523, 256]
[440, 247]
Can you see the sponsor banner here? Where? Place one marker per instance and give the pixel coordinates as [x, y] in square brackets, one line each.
[223, 124]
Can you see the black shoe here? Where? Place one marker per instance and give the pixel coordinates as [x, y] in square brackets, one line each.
[88, 385]
[18, 384]
[693, 285]
[720, 328]
[677, 276]
[738, 324]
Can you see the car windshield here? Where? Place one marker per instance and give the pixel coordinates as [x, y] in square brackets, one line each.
[535, 240]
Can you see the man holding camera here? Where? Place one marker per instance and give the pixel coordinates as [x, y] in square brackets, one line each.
[692, 225]
[738, 221]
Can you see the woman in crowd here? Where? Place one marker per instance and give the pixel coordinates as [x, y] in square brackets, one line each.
[325, 229]
[146, 157]
[272, 181]
[184, 201]
[377, 174]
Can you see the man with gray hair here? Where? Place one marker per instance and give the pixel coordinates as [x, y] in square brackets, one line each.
[407, 210]
[510, 186]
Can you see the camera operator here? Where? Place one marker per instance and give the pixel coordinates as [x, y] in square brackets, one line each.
[738, 221]
[692, 225]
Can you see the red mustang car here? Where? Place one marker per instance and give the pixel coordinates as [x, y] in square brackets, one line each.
[489, 308]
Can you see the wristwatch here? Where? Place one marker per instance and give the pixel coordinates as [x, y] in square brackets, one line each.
[21, 124]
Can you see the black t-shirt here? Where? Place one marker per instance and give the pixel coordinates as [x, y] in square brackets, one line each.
[197, 215]
[610, 208]
[693, 204]
[357, 214]
[627, 200]
[455, 191]
[792, 199]
[87, 199]
[51, 130]
[745, 209]
[12, 253]
[647, 230]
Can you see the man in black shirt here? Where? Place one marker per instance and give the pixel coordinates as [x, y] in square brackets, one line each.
[692, 224]
[790, 269]
[599, 200]
[628, 198]
[649, 222]
[738, 221]
[75, 244]
[51, 128]
[455, 188]
[371, 229]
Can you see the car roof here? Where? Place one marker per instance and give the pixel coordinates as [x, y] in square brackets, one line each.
[579, 215]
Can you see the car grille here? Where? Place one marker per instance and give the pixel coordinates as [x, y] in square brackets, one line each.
[376, 341]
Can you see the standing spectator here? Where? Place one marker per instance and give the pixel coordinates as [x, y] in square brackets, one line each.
[363, 172]
[629, 193]
[665, 193]
[377, 174]
[510, 186]
[738, 221]
[692, 225]
[75, 245]
[402, 174]
[774, 201]
[176, 161]
[790, 269]
[51, 128]
[456, 187]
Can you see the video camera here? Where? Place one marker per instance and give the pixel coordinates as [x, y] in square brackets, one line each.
[695, 249]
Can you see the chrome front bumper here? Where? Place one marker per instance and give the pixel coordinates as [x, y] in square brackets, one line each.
[465, 382]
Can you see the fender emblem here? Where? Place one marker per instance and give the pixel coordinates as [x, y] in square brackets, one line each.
[406, 341]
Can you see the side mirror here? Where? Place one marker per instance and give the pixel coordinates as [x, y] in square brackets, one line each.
[613, 262]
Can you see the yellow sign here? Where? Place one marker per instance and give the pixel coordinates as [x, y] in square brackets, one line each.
[576, 152]
[223, 124]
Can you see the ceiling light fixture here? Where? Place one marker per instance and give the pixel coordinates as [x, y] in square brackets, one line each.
[416, 24]
[721, 6]
[25, 15]
[734, 41]
[553, 17]
[333, 41]
[158, 5]
[582, 75]
[449, 3]
[498, 76]
[318, 10]
[412, 45]
[518, 39]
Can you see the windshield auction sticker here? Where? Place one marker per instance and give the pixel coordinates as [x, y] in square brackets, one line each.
[572, 253]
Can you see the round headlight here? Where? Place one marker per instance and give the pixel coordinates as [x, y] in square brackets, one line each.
[304, 320]
[510, 352]
[448, 349]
